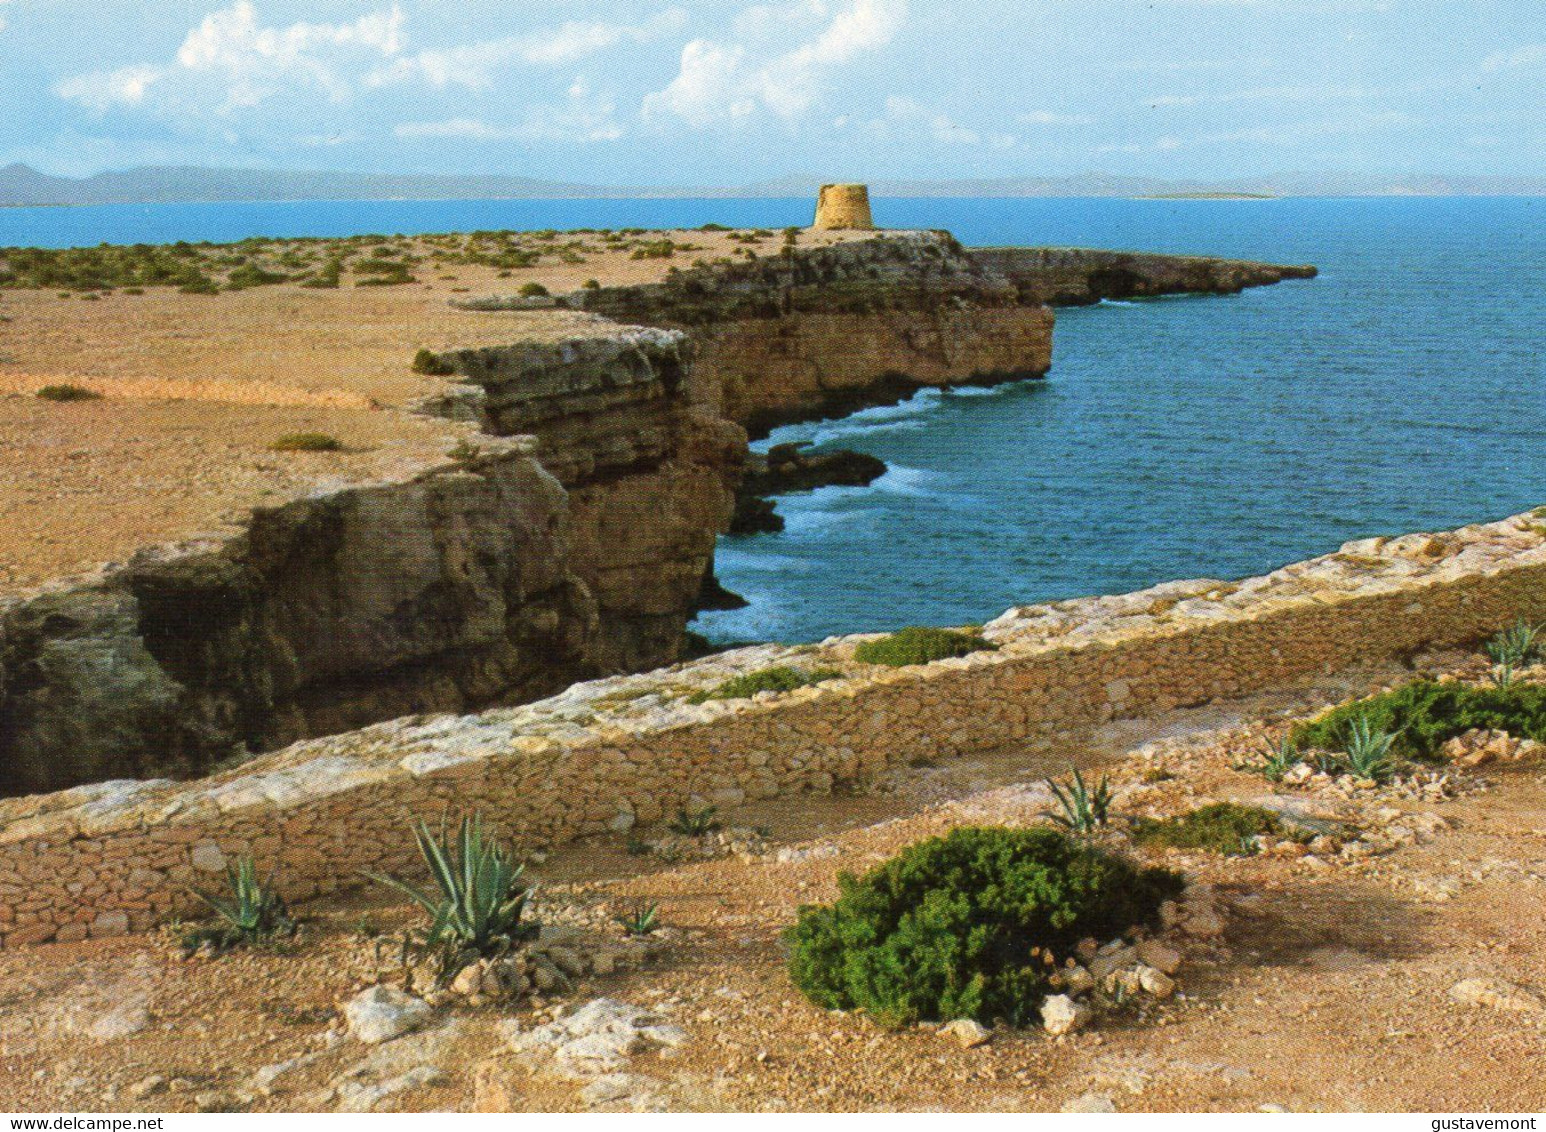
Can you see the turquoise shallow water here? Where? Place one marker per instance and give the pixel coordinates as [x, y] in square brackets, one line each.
[1404, 389]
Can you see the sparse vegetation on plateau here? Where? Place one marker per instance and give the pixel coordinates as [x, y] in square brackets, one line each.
[68, 393]
[307, 442]
[780, 679]
[916, 645]
[969, 925]
[431, 363]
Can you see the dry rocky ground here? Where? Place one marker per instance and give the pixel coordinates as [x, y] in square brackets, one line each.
[1396, 962]
[197, 387]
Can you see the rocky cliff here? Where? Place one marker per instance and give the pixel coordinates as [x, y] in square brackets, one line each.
[569, 534]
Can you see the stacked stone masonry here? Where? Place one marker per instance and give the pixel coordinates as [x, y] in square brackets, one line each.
[104, 859]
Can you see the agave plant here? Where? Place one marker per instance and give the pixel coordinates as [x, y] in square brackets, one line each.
[1279, 758]
[694, 823]
[641, 920]
[1367, 750]
[478, 899]
[1082, 809]
[1515, 646]
[250, 911]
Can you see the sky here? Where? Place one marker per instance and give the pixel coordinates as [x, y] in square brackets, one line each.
[724, 92]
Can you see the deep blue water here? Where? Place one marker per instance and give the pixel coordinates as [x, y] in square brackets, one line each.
[1404, 389]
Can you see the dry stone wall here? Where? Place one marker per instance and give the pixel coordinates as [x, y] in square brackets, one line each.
[604, 755]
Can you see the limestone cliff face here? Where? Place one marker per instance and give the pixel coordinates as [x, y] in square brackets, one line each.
[820, 332]
[450, 590]
[1079, 276]
[649, 470]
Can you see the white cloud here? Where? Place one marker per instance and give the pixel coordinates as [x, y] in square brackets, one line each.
[1528, 55]
[727, 81]
[105, 89]
[1286, 135]
[230, 61]
[475, 65]
[908, 120]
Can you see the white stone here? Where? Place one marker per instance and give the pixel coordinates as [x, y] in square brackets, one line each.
[381, 1013]
[1060, 1014]
[1090, 1102]
[969, 1032]
[1155, 982]
[207, 857]
[1496, 993]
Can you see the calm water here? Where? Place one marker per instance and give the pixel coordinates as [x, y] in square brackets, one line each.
[1404, 389]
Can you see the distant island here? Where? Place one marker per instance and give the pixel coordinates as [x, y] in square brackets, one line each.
[23, 185]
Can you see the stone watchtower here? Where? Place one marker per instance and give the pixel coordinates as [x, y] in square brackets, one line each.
[843, 206]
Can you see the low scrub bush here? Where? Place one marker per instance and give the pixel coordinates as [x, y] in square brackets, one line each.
[68, 393]
[780, 679]
[533, 290]
[1222, 827]
[431, 363]
[1425, 714]
[919, 646]
[307, 442]
[969, 925]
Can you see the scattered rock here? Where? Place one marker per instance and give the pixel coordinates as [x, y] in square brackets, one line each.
[355, 1097]
[969, 1032]
[1497, 994]
[598, 1038]
[1061, 1014]
[126, 1020]
[381, 1013]
[148, 1087]
[1160, 956]
[1090, 1102]
[1153, 981]
[217, 1100]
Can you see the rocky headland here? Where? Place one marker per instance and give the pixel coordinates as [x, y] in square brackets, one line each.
[566, 532]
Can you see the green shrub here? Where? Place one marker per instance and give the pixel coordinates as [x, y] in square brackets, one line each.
[1222, 827]
[429, 362]
[250, 275]
[694, 823]
[533, 290]
[917, 645]
[1515, 646]
[781, 679]
[307, 442]
[640, 920]
[967, 925]
[1425, 714]
[1366, 750]
[68, 393]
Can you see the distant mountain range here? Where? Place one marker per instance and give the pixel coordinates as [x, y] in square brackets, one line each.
[23, 185]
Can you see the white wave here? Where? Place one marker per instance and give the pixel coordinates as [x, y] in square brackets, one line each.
[902, 480]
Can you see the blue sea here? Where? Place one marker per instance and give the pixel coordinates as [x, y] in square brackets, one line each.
[1404, 389]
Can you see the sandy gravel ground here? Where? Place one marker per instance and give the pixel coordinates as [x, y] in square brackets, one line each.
[1329, 988]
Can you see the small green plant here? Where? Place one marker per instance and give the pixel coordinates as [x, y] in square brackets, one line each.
[640, 920]
[307, 442]
[250, 911]
[1366, 750]
[478, 900]
[780, 679]
[68, 393]
[533, 290]
[694, 823]
[1516, 646]
[1081, 809]
[431, 363]
[918, 645]
[1279, 758]
[1222, 827]
[969, 925]
[1503, 675]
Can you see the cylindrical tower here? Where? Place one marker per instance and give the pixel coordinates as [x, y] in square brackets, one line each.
[843, 206]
